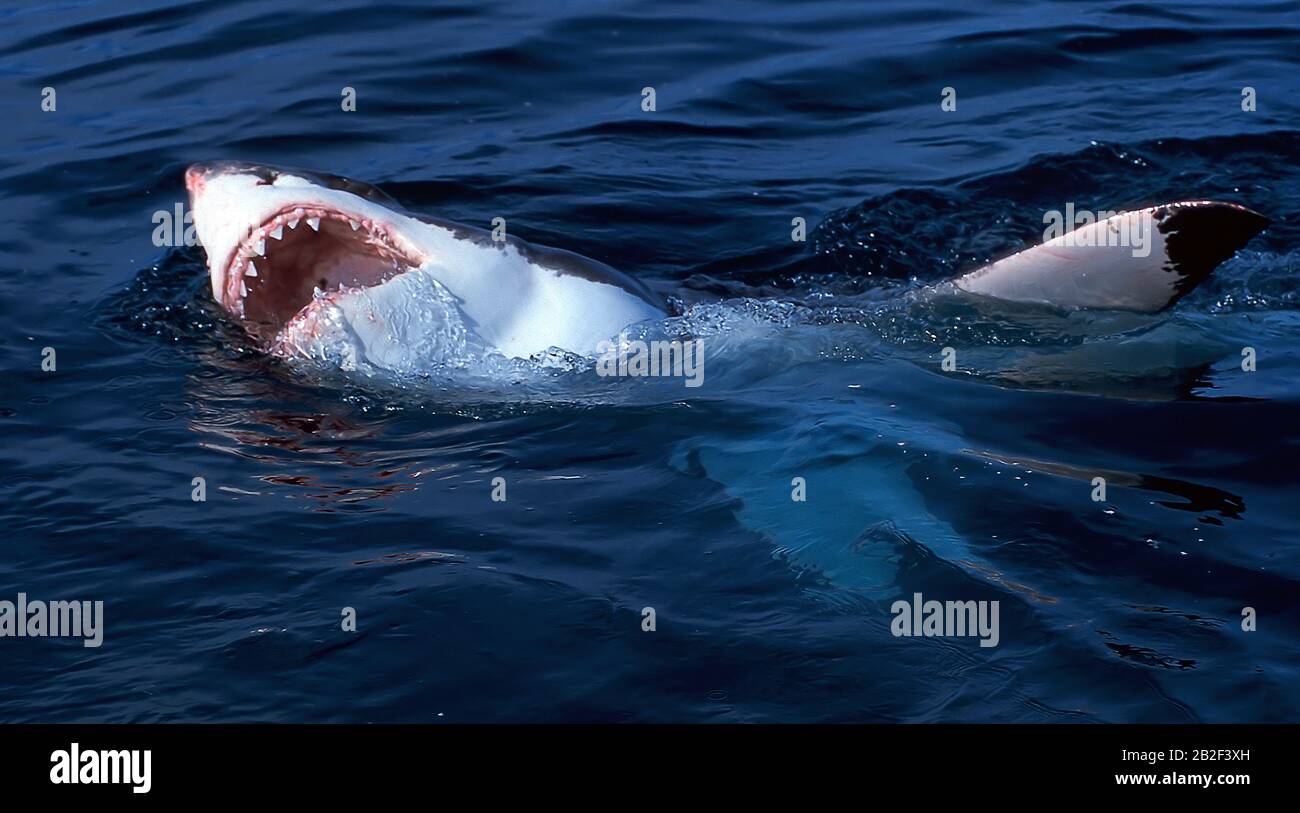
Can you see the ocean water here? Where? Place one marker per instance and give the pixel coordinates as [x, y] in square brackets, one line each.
[373, 492]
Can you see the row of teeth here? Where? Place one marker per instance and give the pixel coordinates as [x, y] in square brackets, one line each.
[255, 244]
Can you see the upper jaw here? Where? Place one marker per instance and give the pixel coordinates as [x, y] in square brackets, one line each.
[236, 213]
[241, 261]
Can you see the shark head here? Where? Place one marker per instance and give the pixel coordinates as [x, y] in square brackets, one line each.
[281, 241]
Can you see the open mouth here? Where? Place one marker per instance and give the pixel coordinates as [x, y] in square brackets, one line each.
[301, 253]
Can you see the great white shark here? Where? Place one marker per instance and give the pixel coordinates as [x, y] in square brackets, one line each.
[294, 254]
[289, 250]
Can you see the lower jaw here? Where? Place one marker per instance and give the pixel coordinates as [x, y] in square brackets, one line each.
[410, 324]
[328, 318]
[306, 326]
[311, 318]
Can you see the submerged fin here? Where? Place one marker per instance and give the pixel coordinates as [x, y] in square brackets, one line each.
[855, 532]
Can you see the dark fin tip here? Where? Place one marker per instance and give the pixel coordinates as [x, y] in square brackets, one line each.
[1200, 236]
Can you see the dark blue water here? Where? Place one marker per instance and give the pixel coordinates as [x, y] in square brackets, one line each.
[327, 493]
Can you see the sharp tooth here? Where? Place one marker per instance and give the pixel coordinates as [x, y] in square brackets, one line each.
[243, 289]
[293, 224]
[278, 234]
[354, 224]
[314, 222]
[252, 270]
[260, 246]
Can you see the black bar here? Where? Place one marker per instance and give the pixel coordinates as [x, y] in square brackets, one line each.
[236, 762]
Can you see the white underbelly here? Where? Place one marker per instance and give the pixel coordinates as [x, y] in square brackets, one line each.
[522, 309]
[570, 313]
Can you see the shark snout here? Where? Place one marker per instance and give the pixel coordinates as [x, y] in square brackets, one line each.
[200, 174]
[195, 177]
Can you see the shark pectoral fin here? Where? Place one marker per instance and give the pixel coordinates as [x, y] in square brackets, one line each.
[1144, 260]
[847, 523]
[822, 546]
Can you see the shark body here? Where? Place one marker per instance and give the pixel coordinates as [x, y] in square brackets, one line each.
[293, 252]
